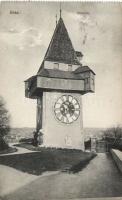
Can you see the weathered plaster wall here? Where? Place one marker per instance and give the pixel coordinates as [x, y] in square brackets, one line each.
[56, 133]
[62, 66]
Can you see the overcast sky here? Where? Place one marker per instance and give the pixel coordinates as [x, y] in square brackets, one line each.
[94, 28]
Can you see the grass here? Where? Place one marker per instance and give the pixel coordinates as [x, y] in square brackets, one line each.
[48, 159]
[8, 150]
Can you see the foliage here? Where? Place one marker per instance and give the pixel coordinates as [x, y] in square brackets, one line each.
[26, 140]
[114, 132]
[113, 137]
[3, 145]
[4, 118]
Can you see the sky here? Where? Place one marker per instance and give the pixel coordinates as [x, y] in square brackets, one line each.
[94, 28]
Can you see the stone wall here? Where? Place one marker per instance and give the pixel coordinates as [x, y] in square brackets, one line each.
[117, 156]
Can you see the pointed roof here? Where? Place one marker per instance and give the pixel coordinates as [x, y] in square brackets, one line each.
[60, 48]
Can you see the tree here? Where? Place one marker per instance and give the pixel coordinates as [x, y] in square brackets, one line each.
[114, 132]
[113, 137]
[4, 118]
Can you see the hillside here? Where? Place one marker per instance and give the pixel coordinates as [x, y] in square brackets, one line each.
[93, 132]
[17, 133]
[23, 132]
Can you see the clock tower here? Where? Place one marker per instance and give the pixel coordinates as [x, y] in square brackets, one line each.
[58, 87]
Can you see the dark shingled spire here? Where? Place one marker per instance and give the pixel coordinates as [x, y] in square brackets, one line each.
[61, 48]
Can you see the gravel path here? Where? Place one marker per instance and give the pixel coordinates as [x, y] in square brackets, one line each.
[20, 150]
[12, 179]
[100, 178]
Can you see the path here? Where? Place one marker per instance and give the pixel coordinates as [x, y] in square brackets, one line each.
[100, 178]
[20, 150]
[12, 179]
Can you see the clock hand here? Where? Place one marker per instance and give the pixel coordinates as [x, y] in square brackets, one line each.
[67, 119]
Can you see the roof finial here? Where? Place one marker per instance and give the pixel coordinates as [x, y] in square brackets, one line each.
[60, 10]
[56, 19]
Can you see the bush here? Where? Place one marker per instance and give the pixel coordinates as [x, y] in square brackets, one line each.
[3, 144]
[26, 140]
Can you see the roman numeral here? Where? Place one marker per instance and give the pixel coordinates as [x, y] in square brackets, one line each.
[57, 109]
[70, 98]
[59, 115]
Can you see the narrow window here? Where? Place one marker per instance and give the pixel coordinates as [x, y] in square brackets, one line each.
[92, 81]
[69, 67]
[56, 65]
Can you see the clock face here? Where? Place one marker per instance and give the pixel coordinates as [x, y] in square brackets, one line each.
[67, 109]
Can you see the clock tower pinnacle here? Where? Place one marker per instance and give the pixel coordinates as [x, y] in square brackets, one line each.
[60, 10]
